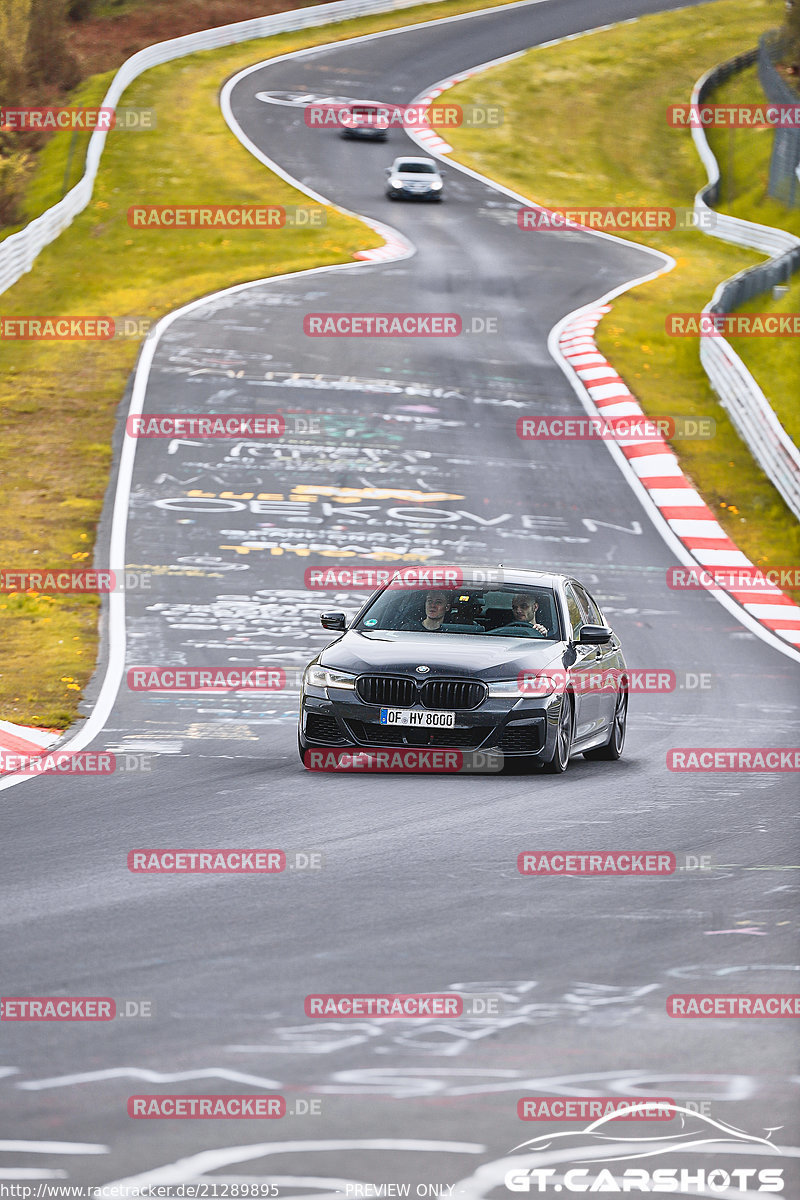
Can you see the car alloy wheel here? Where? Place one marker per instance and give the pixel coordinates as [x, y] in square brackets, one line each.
[558, 764]
[612, 750]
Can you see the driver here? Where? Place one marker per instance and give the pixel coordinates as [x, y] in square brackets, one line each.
[524, 608]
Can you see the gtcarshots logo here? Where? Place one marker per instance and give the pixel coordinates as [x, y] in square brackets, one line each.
[636, 1179]
[575, 1159]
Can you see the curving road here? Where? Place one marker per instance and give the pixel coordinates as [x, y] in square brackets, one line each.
[419, 889]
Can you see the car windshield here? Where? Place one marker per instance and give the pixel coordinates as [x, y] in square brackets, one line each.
[508, 611]
[417, 168]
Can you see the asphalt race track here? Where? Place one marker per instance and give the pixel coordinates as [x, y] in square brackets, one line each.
[418, 888]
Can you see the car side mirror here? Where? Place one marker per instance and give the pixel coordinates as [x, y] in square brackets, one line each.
[333, 620]
[388, 171]
[595, 635]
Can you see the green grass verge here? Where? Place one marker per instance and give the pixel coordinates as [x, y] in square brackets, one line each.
[585, 125]
[58, 400]
[775, 362]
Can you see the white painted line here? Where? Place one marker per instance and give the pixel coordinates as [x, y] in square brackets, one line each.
[651, 466]
[19, 1146]
[778, 612]
[697, 529]
[31, 1173]
[624, 408]
[196, 1166]
[59, 1081]
[608, 391]
[597, 372]
[722, 558]
[677, 497]
[30, 733]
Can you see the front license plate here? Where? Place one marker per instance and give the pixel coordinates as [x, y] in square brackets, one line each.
[430, 719]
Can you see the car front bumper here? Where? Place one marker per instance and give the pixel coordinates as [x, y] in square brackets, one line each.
[523, 727]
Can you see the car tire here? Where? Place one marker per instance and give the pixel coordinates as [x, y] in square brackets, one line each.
[612, 749]
[559, 762]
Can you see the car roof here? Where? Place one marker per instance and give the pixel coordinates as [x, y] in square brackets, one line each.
[475, 575]
[415, 158]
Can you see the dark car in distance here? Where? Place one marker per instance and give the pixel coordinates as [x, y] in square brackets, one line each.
[510, 660]
[365, 120]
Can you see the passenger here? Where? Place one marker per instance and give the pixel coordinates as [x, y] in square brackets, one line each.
[437, 606]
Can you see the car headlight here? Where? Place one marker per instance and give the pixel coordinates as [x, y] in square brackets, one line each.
[529, 683]
[396, 183]
[436, 185]
[505, 689]
[317, 676]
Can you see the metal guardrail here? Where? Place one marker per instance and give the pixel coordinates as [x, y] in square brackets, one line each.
[19, 251]
[740, 395]
[784, 163]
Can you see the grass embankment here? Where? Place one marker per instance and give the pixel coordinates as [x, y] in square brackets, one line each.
[585, 124]
[58, 400]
